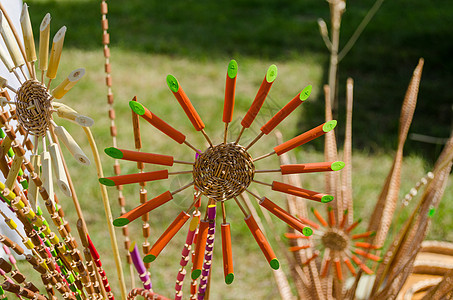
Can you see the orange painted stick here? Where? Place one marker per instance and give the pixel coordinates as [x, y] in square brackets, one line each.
[331, 215]
[305, 137]
[290, 235]
[326, 267]
[363, 235]
[361, 265]
[152, 119]
[297, 248]
[260, 96]
[350, 266]
[227, 253]
[166, 237]
[353, 225]
[300, 192]
[366, 245]
[285, 217]
[199, 249]
[185, 103]
[134, 178]
[143, 209]
[338, 269]
[319, 217]
[230, 89]
[286, 110]
[344, 218]
[315, 255]
[312, 167]
[367, 255]
[262, 242]
[308, 222]
[149, 158]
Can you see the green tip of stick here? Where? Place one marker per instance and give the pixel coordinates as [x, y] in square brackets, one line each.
[359, 220]
[229, 278]
[312, 209]
[271, 74]
[195, 274]
[305, 93]
[307, 231]
[137, 107]
[106, 181]
[149, 258]
[326, 198]
[345, 212]
[431, 212]
[328, 126]
[120, 222]
[172, 83]
[337, 166]
[232, 69]
[373, 233]
[274, 264]
[329, 208]
[114, 152]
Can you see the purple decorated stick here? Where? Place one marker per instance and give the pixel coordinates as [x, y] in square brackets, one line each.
[208, 252]
[186, 254]
[140, 266]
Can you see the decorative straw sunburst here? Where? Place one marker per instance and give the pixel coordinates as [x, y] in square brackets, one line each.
[339, 245]
[221, 172]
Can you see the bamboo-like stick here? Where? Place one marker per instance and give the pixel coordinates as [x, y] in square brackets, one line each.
[71, 145]
[44, 36]
[6, 59]
[66, 112]
[57, 164]
[203, 291]
[10, 42]
[29, 42]
[108, 213]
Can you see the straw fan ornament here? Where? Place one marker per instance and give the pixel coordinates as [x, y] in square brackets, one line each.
[221, 172]
[26, 122]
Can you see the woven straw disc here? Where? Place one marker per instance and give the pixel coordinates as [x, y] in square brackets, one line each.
[223, 171]
[335, 239]
[33, 107]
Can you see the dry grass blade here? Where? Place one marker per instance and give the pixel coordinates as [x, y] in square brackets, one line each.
[386, 204]
[346, 183]
[416, 227]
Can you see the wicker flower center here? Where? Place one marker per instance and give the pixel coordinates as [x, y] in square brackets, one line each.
[33, 107]
[335, 239]
[223, 171]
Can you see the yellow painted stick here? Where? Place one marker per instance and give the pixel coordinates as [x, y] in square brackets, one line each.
[10, 42]
[68, 83]
[27, 32]
[44, 36]
[55, 53]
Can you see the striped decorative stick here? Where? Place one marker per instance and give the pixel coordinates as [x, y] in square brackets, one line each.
[208, 253]
[143, 273]
[185, 256]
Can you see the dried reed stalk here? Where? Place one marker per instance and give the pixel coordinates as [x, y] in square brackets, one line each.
[385, 207]
[346, 176]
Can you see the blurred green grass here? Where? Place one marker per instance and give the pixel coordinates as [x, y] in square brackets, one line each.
[194, 41]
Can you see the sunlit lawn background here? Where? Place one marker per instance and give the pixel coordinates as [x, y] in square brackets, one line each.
[194, 41]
